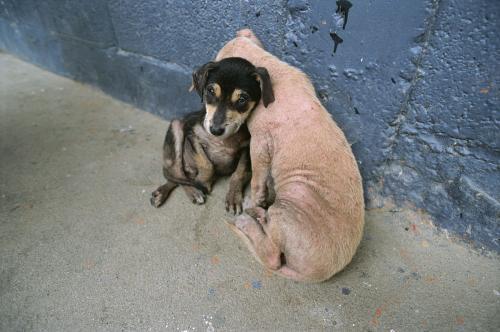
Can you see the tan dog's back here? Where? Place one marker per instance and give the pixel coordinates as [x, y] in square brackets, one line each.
[316, 221]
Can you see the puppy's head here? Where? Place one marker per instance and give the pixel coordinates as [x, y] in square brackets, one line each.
[231, 89]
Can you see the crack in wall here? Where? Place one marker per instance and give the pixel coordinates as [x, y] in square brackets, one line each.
[401, 116]
[112, 24]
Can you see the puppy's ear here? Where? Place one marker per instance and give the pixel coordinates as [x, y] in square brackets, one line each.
[200, 77]
[265, 85]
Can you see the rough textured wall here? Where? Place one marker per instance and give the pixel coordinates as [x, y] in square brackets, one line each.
[414, 84]
[446, 148]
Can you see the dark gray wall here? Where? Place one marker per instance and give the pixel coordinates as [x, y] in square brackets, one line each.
[414, 85]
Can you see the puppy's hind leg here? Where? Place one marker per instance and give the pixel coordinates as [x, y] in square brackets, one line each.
[173, 150]
[196, 195]
[172, 162]
[160, 195]
[204, 176]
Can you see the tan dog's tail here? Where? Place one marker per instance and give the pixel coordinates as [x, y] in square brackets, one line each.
[247, 33]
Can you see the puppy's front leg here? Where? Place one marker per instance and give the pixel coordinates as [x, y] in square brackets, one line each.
[261, 167]
[239, 180]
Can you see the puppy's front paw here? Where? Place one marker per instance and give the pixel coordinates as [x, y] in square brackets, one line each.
[234, 201]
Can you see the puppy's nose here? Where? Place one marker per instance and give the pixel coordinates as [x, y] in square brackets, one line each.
[217, 131]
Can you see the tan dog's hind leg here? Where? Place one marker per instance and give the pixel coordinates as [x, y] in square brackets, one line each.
[251, 227]
[257, 241]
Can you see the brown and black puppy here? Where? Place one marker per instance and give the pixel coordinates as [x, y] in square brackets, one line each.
[215, 141]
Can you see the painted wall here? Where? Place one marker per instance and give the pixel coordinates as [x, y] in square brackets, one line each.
[414, 84]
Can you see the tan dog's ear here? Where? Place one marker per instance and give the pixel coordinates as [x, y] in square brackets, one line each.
[265, 85]
[200, 77]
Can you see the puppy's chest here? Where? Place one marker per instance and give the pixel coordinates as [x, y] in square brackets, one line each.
[224, 155]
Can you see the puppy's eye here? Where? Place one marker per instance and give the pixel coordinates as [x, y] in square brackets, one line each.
[211, 91]
[242, 100]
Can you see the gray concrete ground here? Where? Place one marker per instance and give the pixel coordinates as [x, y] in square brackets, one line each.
[82, 249]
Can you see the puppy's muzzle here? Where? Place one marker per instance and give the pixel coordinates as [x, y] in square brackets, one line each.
[217, 130]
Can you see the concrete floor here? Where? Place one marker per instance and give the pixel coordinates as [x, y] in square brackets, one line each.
[82, 249]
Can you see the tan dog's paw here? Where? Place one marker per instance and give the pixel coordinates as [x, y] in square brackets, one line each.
[234, 201]
[258, 214]
[250, 227]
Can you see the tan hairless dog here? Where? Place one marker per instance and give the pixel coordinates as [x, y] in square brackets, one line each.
[299, 155]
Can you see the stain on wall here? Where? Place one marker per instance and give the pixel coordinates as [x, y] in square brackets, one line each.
[413, 84]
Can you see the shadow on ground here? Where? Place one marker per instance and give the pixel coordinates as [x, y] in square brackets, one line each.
[81, 249]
